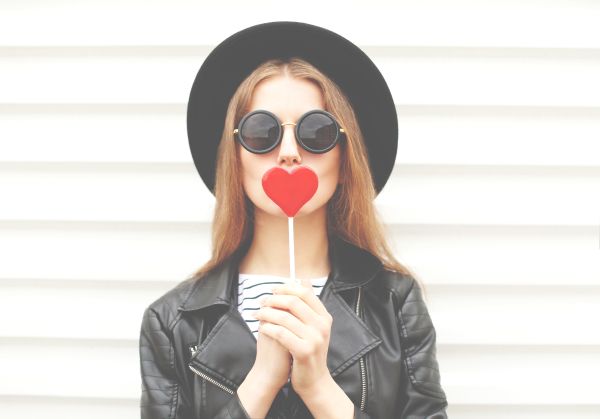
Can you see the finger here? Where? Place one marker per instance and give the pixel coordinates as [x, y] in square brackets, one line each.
[285, 319]
[282, 335]
[296, 306]
[306, 294]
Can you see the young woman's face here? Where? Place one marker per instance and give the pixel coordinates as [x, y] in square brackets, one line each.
[288, 98]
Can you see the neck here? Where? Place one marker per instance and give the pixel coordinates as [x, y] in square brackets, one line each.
[269, 251]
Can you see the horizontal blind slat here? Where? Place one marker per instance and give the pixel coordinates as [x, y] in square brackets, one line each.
[460, 23]
[415, 76]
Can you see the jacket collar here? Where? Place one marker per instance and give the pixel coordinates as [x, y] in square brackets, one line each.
[229, 351]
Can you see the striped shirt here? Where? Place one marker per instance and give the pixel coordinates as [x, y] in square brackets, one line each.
[253, 287]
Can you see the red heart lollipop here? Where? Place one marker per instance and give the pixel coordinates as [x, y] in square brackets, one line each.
[290, 190]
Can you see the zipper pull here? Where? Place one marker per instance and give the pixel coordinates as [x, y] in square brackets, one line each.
[193, 350]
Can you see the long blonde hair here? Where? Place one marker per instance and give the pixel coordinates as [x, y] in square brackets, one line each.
[351, 213]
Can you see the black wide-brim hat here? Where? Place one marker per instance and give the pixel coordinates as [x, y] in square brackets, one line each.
[347, 65]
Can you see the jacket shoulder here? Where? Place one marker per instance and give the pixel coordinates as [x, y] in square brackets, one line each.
[399, 283]
[166, 305]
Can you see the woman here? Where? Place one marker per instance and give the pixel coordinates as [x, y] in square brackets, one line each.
[353, 339]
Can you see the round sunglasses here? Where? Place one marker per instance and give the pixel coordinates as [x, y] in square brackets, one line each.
[260, 131]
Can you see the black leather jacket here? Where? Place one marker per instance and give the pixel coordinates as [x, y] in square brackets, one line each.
[195, 348]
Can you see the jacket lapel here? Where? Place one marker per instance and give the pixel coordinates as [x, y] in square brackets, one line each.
[229, 350]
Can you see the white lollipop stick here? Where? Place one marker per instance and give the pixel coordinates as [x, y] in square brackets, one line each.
[292, 268]
[291, 248]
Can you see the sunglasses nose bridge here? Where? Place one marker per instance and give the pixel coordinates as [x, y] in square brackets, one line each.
[289, 150]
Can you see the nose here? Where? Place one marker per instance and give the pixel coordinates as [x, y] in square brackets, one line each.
[289, 152]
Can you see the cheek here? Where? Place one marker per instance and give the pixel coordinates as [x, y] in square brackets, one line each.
[328, 171]
[332, 168]
[252, 171]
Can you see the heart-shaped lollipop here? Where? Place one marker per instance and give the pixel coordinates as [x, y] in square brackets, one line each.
[290, 191]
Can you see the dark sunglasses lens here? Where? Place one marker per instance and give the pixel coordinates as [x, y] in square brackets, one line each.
[317, 131]
[260, 131]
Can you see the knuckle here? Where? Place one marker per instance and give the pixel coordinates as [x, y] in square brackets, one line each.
[325, 325]
[305, 352]
[323, 337]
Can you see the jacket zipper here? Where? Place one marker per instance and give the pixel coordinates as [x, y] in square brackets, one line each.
[229, 390]
[363, 373]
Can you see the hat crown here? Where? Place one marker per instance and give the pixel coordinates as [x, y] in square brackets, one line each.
[236, 57]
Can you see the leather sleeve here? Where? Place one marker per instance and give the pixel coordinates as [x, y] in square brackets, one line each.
[161, 392]
[162, 396]
[422, 394]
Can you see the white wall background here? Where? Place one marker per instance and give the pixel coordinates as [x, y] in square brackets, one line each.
[494, 201]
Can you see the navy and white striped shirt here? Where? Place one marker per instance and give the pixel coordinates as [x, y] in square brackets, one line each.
[253, 287]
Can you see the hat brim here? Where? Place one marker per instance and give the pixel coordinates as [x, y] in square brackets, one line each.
[230, 62]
